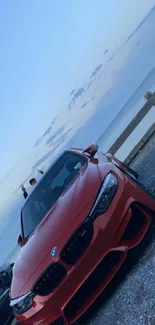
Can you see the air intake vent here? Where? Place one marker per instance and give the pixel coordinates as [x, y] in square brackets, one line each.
[77, 244]
[50, 279]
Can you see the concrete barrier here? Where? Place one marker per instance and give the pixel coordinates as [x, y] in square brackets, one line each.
[140, 144]
[136, 134]
[134, 123]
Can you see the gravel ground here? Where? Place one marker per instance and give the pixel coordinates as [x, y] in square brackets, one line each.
[130, 298]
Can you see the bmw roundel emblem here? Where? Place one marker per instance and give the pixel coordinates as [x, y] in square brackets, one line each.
[54, 252]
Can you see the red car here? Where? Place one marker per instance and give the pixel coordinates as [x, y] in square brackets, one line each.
[77, 226]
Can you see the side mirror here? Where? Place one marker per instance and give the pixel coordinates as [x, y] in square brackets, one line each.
[91, 150]
[20, 241]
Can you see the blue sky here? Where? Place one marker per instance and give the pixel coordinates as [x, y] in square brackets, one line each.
[47, 49]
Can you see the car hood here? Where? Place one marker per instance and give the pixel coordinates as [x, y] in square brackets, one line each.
[70, 210]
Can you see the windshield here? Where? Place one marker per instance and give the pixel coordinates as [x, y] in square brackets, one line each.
[49, 189]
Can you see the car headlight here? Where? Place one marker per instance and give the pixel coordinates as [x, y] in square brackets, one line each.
[105, 196]
[22, 304]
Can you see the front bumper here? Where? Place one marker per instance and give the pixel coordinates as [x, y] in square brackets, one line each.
[104, 256]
